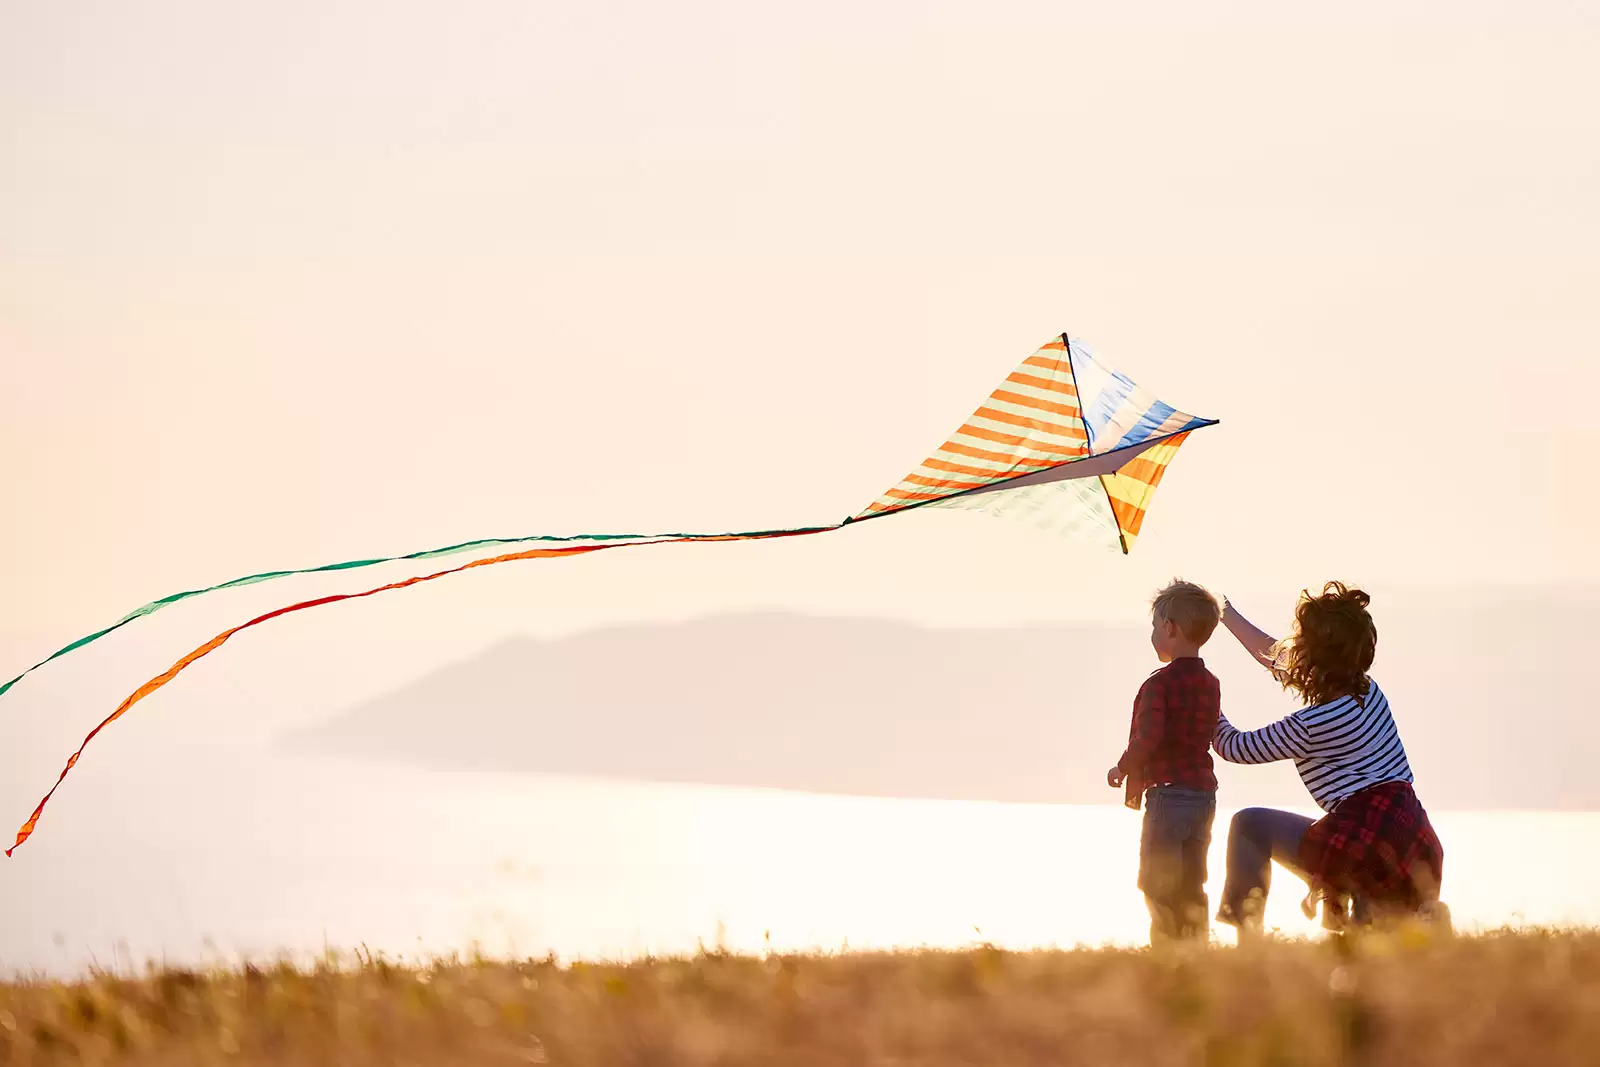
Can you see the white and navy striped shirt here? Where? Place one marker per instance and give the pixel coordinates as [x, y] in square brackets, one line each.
[1339, 747]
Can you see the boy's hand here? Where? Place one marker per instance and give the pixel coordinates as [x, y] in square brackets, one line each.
[1115, 777]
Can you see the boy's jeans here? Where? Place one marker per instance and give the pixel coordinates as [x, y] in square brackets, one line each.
[1172, 860]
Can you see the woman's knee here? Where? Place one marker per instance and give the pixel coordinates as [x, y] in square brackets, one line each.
[1246, 820]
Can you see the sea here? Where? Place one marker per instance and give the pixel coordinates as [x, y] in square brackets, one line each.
[261, 854]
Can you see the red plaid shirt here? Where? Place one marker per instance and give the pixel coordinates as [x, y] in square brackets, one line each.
[1174, 718]
[1377, 844]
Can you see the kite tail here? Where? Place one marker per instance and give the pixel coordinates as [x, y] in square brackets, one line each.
[347, 565]
[160, 680]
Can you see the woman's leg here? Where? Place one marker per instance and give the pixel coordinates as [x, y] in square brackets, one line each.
[1257, 837]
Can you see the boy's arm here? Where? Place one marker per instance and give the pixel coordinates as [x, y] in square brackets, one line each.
[1285, 739]
[1149, 718]
[1258, 643]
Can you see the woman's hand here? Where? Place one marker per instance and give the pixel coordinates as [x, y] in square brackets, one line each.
[1115, 777]
[1256, 642]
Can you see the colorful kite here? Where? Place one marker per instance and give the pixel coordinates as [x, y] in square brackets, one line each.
[1064, 440]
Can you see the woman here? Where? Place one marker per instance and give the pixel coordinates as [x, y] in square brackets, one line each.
[1374, 849]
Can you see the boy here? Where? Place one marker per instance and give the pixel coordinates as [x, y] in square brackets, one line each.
[1168, 762]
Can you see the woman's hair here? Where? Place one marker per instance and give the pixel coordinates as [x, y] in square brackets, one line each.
[1334, 639]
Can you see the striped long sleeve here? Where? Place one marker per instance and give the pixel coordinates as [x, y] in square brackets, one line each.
[1339, 748]
[1285, 739]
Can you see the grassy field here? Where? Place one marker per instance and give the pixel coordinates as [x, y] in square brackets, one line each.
[1507, 998]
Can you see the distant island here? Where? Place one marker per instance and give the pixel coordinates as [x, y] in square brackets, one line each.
[886, 708]
[829, 705]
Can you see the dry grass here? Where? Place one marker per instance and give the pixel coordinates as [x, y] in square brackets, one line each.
[1529, 997]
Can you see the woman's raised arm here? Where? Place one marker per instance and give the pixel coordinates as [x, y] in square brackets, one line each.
[1259, 644]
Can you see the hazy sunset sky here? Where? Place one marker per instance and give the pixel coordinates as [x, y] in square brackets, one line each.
[287, 283]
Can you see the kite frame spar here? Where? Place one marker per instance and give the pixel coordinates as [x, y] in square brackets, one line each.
[1083, 463]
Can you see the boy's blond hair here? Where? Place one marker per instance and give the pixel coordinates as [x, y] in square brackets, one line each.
[1188, 607]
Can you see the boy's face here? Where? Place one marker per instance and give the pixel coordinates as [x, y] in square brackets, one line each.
[1163, 635]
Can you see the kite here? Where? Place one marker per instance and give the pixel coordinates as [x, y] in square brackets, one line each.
[1064, 440]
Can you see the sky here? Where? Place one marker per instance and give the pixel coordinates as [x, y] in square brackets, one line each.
[288, 283]
[283, 284]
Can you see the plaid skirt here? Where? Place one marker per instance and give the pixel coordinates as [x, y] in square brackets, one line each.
[1377, 846]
